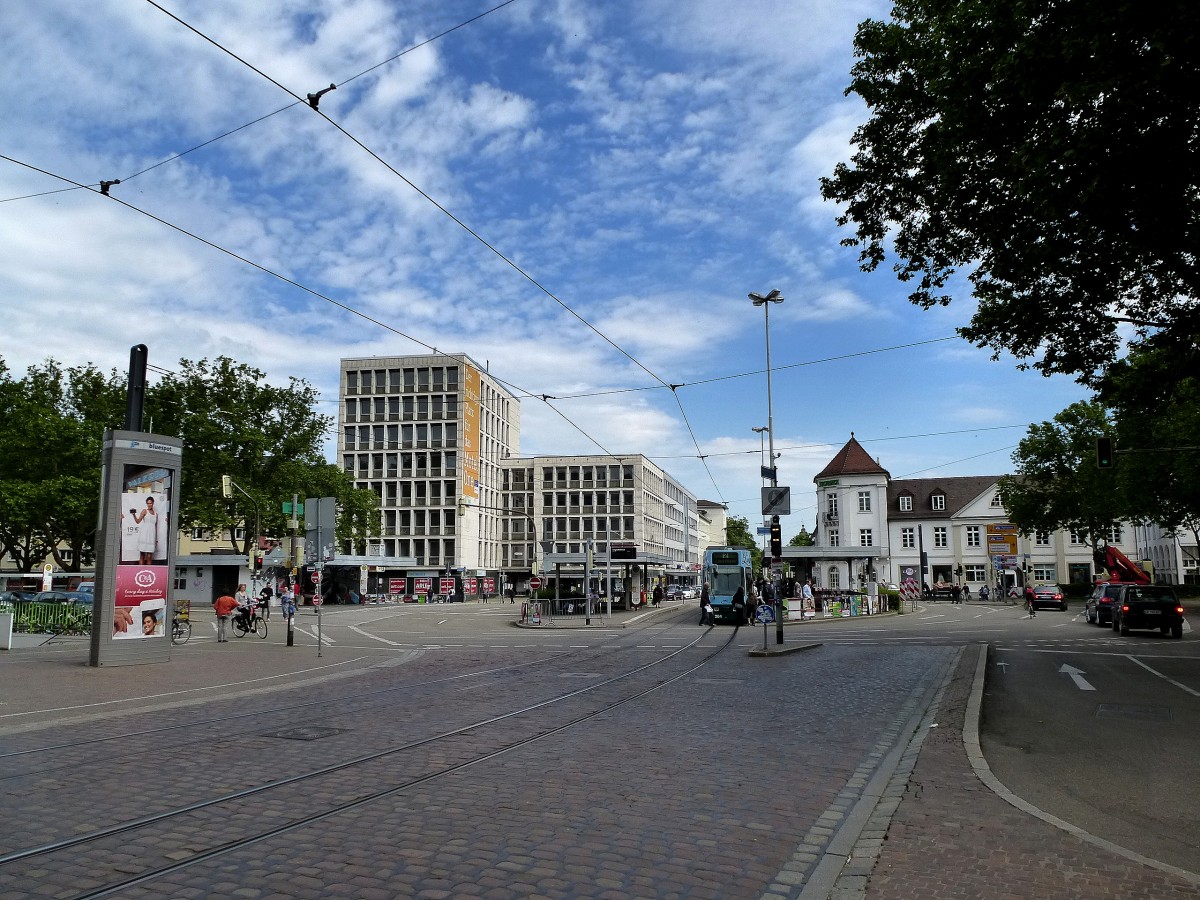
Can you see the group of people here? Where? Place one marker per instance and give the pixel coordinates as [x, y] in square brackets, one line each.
[745, 605]
[241, 606]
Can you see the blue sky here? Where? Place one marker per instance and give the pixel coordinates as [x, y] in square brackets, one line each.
[635, 164]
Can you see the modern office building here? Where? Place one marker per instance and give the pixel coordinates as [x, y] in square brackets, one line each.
[426, 432]
[625, 511]
[422, 432]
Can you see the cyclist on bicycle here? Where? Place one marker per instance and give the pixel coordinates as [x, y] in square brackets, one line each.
[1030, 596]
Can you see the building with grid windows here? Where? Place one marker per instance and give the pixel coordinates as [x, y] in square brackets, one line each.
[421, 432]
[428, 431]
[626, 511]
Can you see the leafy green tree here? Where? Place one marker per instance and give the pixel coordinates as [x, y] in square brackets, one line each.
[801, 539]
[1056, 483]
[1049, 148]
[1158, 464]
[233, 422]
[267, 438]
[50, 461]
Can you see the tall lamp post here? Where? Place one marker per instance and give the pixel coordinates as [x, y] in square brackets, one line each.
[774, 296]
[762, 462]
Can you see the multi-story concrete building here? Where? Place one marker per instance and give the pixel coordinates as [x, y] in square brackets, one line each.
[599, 503]
[871, 527]
[424, 432]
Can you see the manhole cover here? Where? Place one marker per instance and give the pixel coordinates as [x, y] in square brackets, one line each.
[307, 733]
[1143, 713]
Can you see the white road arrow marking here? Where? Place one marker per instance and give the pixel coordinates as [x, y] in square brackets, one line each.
[1077, 677]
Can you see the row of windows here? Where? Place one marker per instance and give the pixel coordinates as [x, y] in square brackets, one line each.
[393, 437]
[392, 409]
[423, 378]
[563, 475]
[972, 535]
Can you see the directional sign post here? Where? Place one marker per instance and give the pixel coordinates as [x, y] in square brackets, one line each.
[765, 614]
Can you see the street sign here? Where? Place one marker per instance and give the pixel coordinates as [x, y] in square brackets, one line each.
[316, 577]
[535, 582]
[777, 501]
[764, 614]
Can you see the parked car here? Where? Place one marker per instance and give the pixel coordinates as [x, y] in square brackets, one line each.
[1049, 596]
[689, 593]
[1148, 607]
[64, 597]
[1098, 609]
[15, 596]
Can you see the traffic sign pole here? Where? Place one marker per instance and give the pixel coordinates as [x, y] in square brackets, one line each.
[316, 577]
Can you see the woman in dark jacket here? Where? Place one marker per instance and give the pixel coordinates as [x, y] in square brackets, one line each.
[739, 606]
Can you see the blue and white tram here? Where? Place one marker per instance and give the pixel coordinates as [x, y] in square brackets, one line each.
[725, 570]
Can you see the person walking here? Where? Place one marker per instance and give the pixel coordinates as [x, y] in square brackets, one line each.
[806, 593]
[739, 606]
[706, 611]
[224, 606]
[658, 596]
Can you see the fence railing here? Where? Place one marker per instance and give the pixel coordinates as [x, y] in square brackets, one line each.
[51, 618]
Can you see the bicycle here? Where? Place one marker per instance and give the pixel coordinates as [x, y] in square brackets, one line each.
[1030, 608]
[181, 630]
[247, 621]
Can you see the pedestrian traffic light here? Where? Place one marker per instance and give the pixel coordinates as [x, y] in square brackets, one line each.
[776, 538]
[1104, 453]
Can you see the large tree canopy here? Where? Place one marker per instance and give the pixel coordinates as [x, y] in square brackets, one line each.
[1057, 484]
[1051, 149]
[267, 438]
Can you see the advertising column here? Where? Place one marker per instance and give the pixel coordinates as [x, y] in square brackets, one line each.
[135, 548]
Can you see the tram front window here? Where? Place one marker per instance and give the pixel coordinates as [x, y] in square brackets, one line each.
[725, 584]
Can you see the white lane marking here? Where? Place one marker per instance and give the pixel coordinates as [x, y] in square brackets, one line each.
[1077, 677]
[373, 637]
[1182, 687]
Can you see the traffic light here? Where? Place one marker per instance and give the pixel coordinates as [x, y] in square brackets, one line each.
[1104, 453]
[226, 487]
[776, 538]
[462, 506]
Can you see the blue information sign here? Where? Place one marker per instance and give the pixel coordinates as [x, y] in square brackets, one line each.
[765, 614]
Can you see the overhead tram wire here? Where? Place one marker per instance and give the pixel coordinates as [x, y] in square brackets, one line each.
[263, 118]
[267, 271]
[313, 101]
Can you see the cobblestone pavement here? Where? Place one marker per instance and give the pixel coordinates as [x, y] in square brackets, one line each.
[840, 772]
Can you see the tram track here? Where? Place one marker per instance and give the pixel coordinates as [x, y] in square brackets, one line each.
[290, 798]
[380, 694]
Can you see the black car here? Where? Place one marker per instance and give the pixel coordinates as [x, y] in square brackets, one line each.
[1098, 610]
[1150, 607]
[1049, 596]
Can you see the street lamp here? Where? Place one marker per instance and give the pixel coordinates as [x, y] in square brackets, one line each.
[765, 302]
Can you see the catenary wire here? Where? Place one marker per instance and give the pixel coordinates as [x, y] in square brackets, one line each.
[459, 222]
[263, 118]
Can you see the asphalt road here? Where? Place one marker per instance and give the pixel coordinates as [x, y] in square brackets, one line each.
[1099, 730]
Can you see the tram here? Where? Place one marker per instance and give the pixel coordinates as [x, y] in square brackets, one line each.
[725, 570]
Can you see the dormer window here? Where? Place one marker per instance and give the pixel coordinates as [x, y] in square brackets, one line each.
[939, 501]
[906, 504]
